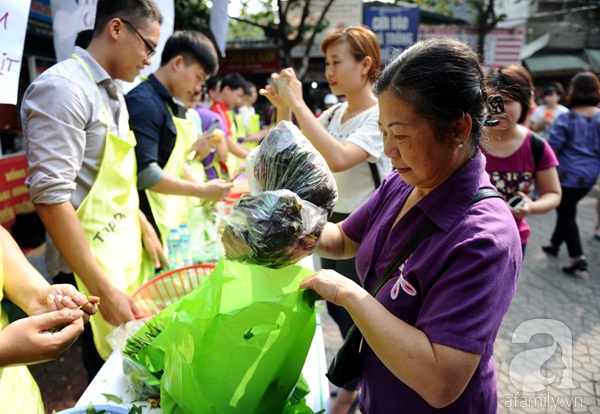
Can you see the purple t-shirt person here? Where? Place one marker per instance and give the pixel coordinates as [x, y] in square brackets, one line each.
[207, 117]
[456, 287]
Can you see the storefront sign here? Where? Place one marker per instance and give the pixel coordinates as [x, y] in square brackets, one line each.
[341, 14]
[13, 25]
[14, 196]
[396, 28]
[502, 46]
[250, 61]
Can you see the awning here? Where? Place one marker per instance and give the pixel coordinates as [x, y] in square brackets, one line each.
[593, 57]
[556, 64]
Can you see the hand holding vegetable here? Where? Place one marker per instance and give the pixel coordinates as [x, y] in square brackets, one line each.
[29, 341]
[63, 296]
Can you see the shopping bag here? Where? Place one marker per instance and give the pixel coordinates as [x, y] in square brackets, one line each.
[246, 328]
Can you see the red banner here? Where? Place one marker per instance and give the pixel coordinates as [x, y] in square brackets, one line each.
[250, 61]
[14, 196]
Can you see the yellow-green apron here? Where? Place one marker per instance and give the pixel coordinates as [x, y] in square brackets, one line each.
[171, 210]
[109, 217]
[234, 164]
[18, 391]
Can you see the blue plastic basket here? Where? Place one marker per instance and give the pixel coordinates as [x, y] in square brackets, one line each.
[110, 409]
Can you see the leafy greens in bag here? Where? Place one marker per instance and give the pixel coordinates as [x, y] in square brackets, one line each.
[287, 160]
[272, 228]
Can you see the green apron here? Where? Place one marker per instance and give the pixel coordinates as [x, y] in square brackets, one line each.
[236, 165]
[18, 391]
[109, 217]
[171, 210]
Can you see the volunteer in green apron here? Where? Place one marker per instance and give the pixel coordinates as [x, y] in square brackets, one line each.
[76, 126]
[109, 217]
[170, 210]
[157, 115]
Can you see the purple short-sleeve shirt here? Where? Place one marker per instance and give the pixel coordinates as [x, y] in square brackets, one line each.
[456, 287]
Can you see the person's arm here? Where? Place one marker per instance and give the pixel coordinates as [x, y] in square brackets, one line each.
[339, 156]
[29, 340]
[549, 194]
[65, 229]
[438, 373]
[236, 149]
[213, 190]
[335, 244]
[152, 243]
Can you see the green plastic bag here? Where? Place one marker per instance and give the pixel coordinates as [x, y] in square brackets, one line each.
[236, 344]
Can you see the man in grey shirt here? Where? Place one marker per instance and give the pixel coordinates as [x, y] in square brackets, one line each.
[75, 124]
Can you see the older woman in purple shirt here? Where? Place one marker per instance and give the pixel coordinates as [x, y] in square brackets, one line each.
[430, 330]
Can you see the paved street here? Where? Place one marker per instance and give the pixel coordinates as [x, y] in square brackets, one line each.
[558, 315]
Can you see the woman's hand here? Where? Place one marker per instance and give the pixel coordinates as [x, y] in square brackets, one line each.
[332, 286]
[29, 340]
[292, 88]
[271, 92]
[63, 296]
[526, 207]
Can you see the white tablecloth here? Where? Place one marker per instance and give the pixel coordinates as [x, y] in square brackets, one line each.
[111, 379]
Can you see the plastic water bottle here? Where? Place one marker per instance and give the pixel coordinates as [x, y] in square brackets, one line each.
[174, 249]
[186, 244]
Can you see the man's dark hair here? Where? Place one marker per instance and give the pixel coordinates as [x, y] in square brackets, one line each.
[553, 87]
[84, 38]
[234, 81]
[138, 12]
[194, 47]
[212, 84]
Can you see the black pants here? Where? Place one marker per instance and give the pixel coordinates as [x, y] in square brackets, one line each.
[338, 313]
[566, 227]
[92, 361]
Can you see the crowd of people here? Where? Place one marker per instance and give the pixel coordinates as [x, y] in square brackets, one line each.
[411, 146]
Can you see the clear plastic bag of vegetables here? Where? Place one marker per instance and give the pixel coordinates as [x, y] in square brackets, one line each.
[272, 228]
[285, 159]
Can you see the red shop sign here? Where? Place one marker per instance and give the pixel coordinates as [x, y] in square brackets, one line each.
[14, 196]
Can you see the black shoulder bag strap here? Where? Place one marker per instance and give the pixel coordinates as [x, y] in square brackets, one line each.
[345, 366]
[537, 149]
[372, 166]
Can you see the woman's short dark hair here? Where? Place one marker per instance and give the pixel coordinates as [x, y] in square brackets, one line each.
[584, 90]
[553, 87]
[514, 84]
[442, 80]
[362, 41]
[138, 12]
[194, 47]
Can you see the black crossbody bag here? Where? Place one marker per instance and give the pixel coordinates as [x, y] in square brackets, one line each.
[346, 365]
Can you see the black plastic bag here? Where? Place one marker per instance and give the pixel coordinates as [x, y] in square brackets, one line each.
[286, 160]
[272, 228]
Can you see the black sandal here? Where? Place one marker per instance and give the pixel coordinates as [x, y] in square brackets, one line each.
[550, 249]
[581, 265]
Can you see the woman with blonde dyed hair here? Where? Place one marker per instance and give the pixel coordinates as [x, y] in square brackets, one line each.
[347, 135]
